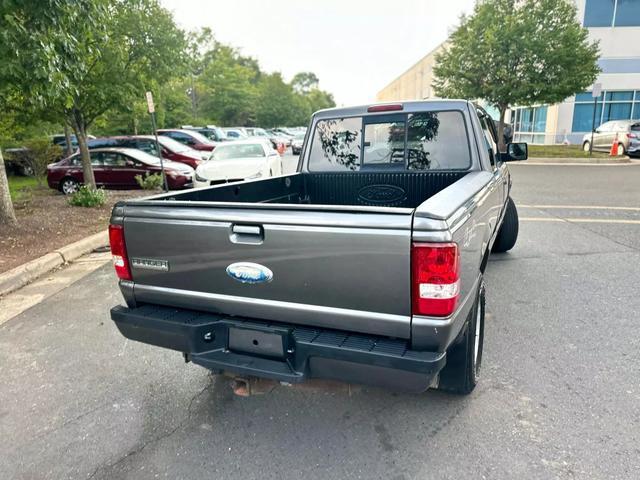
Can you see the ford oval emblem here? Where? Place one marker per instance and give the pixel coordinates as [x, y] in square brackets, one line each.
[247, 272]
[382, 194]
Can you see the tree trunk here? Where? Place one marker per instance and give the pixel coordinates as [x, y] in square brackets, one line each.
[81, 136]
[68, 151]
[7, 215]
[501, 145]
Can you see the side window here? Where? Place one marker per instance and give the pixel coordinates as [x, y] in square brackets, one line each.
[97, 159]
[147, 146]
[490, 141]
[131, 162]
[112, 159]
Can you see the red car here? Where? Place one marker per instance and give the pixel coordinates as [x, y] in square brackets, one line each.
[171, 149]
[116, 168]
[190, 138]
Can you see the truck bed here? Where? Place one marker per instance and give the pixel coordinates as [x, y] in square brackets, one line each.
[338, 245]
[381, 189]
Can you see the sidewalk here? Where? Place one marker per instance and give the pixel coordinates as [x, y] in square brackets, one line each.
[30, 271]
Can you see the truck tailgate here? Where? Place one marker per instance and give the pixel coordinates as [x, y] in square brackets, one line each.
[339, 269]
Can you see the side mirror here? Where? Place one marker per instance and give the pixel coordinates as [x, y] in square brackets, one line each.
[515, 152]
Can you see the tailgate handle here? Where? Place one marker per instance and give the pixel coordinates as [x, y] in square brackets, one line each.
[247, 234]
[247, 229]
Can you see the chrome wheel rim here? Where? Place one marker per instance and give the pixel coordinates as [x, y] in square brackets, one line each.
[68, 187]
[586, 146]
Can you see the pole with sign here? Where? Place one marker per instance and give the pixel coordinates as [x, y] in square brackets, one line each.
[152, 111]
[597, 90]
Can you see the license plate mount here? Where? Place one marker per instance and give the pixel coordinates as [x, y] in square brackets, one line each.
[257, 342]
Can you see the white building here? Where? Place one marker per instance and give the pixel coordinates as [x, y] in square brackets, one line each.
[616, 24]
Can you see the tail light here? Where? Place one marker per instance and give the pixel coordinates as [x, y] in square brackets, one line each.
[119, 252]
[632, 135]
[435, 278]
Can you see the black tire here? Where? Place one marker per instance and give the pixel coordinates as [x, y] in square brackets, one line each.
[461, 373]
[508, 233]
[69, 185]
[586, 146]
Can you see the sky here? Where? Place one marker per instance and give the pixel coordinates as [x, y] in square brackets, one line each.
[355, 47]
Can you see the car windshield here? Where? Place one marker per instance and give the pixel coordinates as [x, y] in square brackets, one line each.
[173, 145]
[199, 137]
[233, 151]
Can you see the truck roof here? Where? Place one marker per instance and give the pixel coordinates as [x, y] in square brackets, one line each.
[406, 106]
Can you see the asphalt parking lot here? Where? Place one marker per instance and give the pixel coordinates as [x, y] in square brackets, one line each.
[559, 395]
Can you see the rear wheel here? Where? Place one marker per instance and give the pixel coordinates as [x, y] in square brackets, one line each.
[586, 146]
[621, 149]
[464, 359]
[508, 233]
[69, 186]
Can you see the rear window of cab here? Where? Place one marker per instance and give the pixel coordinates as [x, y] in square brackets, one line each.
[436, 140]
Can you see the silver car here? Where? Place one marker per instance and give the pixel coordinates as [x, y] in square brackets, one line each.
[626, 132]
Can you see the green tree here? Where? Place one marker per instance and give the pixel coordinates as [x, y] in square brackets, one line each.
[228, 87]
[517, 52]
[276, 101]
[304, 82]
[77, 59]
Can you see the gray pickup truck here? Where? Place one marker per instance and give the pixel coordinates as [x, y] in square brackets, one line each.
[364, 266]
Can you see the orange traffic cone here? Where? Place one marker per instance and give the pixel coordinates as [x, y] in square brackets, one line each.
[614, 147]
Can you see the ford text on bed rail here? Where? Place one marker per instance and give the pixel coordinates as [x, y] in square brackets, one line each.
[364, 266]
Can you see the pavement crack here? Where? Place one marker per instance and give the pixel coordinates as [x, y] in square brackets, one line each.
[152, 441]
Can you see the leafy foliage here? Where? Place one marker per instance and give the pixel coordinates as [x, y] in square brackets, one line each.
[36, 155]
[517, 52]
[149, 181]
[88, 197]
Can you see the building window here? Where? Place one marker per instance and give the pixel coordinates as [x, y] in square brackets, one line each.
[627, 13]
[612, 13]
[620, 105]
[530, 124]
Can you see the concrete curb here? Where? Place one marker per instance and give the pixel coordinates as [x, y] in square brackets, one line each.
[28, 272]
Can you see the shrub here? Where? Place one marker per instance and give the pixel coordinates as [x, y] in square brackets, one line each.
[36, 155]
[150, 182]
[86, 197]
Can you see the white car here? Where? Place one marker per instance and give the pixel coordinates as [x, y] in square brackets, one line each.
[241, 160]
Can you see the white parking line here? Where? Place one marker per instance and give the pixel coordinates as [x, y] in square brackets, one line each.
[582, 207]
[563, 164]
[580, 220]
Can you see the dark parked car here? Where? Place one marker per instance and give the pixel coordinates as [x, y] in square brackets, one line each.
[627, 133]
[213, 133]
[190, 138]
[116, 168]
[171, 149]
[61, 140]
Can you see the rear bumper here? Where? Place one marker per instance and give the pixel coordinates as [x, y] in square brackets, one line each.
[298, 353]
